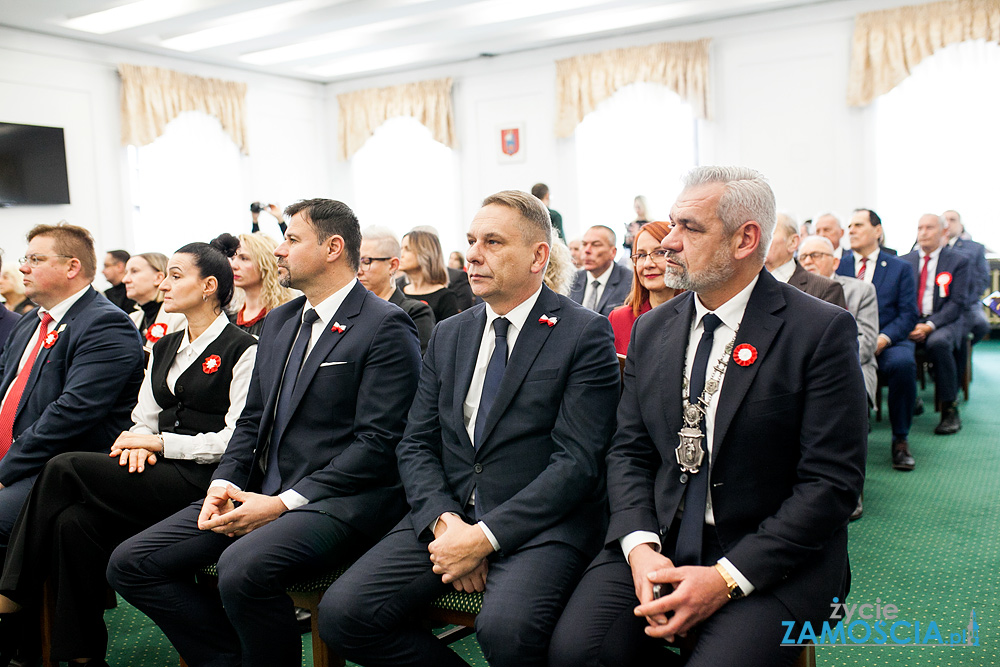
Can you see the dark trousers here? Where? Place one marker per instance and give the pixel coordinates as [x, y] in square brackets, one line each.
[976, 322]
[942, 345]
[11, 501]
[81, 507]
[899, 367]
[599, 628]
[365, 615]
[250, 621]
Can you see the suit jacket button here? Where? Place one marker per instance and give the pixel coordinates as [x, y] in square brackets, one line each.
[684, 478]
[478, 468]
[663, 531]
[177, 423]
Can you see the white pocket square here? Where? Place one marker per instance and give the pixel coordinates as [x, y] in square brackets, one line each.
[331, 363]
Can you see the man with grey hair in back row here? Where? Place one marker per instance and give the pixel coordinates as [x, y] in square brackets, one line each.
[735, 465]
[781, 262]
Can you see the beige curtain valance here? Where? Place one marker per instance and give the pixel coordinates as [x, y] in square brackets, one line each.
[889, 43]
[152, 97]
[585, 81]
[363, 111]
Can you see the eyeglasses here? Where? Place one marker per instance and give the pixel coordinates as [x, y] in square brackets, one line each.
[814, 256]
[367, 261]
[37, 260]
[656, 256]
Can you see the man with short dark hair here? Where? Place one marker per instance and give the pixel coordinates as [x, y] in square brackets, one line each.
[602, 284]
[114, 271]
[942, 277]
[897, 315]
[541, 191]
[502, 463]
[309, 477]
[71, 369]
[736, 464]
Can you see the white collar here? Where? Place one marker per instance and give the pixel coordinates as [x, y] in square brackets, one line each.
[785, 271]
[603, 278]
[517, 315]
[58, 311]
[731, 312]
[199, 344]
[329, 306]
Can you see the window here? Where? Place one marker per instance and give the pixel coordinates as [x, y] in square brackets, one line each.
[188, 185]
[638, 142]
[937, 141]
[403, 178]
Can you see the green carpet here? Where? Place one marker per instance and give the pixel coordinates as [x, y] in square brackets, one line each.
[927, 544]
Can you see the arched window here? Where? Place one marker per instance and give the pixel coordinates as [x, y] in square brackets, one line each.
[638, 142]
[188, 185]
[937, 140]
[403, 178]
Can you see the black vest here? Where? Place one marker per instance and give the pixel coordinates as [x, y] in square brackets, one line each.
[201, 399]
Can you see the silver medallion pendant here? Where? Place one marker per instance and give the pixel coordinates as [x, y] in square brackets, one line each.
[689, 452]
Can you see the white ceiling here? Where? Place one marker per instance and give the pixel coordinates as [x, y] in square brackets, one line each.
[338, 40]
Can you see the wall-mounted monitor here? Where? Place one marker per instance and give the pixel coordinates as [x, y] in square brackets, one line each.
[32, 165]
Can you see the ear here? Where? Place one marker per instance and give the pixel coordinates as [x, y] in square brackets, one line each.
[793, 243]
[540, 257]
[836, 263]
[393, 265]
[75, 267]
[747, 239]
[209, 286]
[335, 247]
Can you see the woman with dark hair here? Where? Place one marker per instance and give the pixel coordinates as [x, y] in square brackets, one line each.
[143, 274]
[648, 288]
[422, 260]
[84, 504]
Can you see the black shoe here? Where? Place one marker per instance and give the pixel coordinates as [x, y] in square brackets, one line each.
[918, 407]
[950, 421]
[901, 457]
[303, 618]
[11, 634]
[858, 511]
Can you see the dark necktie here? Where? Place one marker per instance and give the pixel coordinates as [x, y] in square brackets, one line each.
[923, 285]
[283, 410]
[689, 537]
[494, 374]
[9, 412]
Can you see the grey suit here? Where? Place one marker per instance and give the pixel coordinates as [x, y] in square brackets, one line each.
[862, 301]
[615, 291]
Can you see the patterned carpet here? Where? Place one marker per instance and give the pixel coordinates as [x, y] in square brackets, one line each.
[927, 544]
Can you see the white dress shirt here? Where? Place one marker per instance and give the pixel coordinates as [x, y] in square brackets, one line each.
[731, 314]
[927, 304]
[785, 271]
[869, 267]
[602, 279]
[326, 309]
[202, 447]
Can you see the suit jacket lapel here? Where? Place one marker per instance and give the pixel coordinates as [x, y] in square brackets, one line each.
[613, 281]
[798, 278]
[880, 269]
[64, 324]
[271, 378]
[529, 343]
[470, 338]
[16, 347]
[758, 328]
[672, 360]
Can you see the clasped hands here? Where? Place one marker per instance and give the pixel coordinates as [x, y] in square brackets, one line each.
[921, 332]
[697, 593]
[135, 450]
[220, 514]
[459, 552]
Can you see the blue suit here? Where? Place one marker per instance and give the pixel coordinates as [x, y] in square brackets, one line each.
[979, 282]
[538, 476]
[347, 413]
[8, 319]
[896, 289]
[615, 291]
[79, 396]
[947, 316]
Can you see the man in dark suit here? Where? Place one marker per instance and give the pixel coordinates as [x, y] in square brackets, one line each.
[781, 262]
[541, 191]
[979, 277]
[114, 272]
[942, 277]
[897, 315]
[8, 319]
[602, 284]
[309, 476]
[377, 272]
[777, 428]
[502, 463]
[71, 370]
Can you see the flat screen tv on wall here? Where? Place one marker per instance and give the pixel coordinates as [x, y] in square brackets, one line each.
[32, 165]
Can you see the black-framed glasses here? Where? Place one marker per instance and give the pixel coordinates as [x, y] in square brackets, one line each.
[367, 261]
[657, 256]
[814, 256]
[37, 260]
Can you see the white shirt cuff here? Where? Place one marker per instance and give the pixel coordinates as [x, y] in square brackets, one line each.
[223, 483]
[490, 536]
[744, 583]
[635, 538]
[293, 499]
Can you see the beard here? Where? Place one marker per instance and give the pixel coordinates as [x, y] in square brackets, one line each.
[285, 279]
[719, 270]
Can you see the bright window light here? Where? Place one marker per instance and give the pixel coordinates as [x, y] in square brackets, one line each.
[132, 15]
[937, 141]
[638, 142]
[403, 178]
[187, 186]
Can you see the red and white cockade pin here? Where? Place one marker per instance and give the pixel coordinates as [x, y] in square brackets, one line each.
[551, 321]
[50, 339]
[943, 281]
[156, 331]
[211, 364]
[338, 327]
[745, 354]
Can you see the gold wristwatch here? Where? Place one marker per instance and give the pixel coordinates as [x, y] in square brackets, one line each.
[735, 592]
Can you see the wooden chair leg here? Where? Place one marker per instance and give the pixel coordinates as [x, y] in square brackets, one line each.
[322, 655]
[807, 658]
[47, 619]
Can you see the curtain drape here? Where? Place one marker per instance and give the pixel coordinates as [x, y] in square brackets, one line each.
[363, 111]
[152, 97]
[889, 43]
[585, 81]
